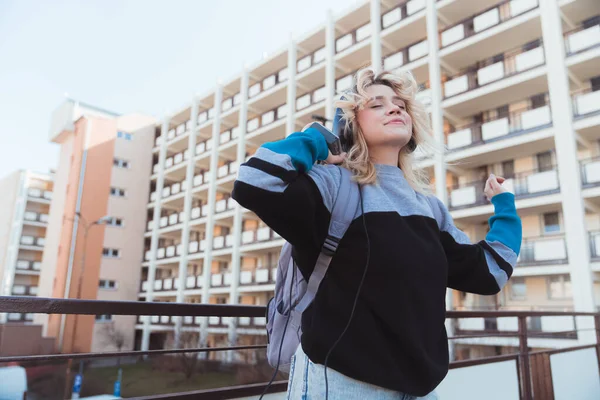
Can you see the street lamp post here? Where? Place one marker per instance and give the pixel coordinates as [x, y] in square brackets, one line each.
[86, 228]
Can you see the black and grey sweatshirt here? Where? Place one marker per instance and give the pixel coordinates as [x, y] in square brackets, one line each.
[397, 338]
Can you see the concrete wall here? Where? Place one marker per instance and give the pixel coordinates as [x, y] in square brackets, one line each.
[129, 238]
[9, 187]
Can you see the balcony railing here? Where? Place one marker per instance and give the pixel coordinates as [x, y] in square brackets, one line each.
[229, 135]
[352, 38]
[543, 250]
[267, 118]
[35, 217]
[26, 265]
[24, 290]
[594, 237]
[308, 99]
[524, 184]
[485, 20]
[39, 193]
[556, 327]
[524, 373]
[263, 234]
[229, 169]
[590, 171]
[258, 276]
[33, 241]
[407, 55]
[586, 102]
[268, 83]
[404, 9]
[316, 57]
[516, 122]
[231, 102]
[495, 68]
[582, 38]
[19, 318]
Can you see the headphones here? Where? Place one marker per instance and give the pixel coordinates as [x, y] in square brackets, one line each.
[345, 135]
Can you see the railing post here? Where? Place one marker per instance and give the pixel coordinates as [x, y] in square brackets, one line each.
[524, 360]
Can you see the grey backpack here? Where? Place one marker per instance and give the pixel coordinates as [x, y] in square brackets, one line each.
[292, 293]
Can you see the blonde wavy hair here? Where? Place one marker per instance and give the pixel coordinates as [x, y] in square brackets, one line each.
[358, 160]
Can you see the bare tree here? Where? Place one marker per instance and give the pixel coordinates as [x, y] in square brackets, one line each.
[114, 337]
[188, 361]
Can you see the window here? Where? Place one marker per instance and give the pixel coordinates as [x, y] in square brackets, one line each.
[221, 300]
[518, 288]
[106, 284]
[559, 287]
[113, 221]
[103, 317]
[508, 169]
[117, 192]
[112, 253]
[123, 135]
[551, 223]
[117, 162]
[544, 161]
[539, 100]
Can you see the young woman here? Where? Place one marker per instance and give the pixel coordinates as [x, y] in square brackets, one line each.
[395, 346]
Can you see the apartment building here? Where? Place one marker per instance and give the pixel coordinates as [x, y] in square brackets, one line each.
[512, 88]
[96, 222]
[26, 197]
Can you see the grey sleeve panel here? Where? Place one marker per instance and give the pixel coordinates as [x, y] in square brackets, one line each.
[327, 178]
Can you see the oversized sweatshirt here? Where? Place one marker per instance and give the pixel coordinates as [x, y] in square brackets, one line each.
[397, 338]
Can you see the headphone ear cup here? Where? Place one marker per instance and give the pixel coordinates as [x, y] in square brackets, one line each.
[346, 140]
[411, 145]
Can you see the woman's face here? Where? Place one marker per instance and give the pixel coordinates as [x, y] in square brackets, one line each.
[383, 119]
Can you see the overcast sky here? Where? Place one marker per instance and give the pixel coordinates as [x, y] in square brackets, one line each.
[144, 56]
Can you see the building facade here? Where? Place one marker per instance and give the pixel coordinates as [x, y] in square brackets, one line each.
[512, 88]
[96, 222]
[26, 205]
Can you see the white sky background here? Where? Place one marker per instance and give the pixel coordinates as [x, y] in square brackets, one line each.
[127, 56]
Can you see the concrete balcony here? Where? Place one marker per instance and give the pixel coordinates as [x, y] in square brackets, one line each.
[535, 191]
[543, 250]
[256, 279]
[24, 290]
[519, 133]
[506, 25]
[523, 185]
[35, 219]
[28, 267]
[413, 57]
[403, 26]
[260, 239]
[582, 48]
[504, 78]
[39, 195]
[32, 243]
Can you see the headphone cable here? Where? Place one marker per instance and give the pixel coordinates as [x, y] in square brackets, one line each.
[357, 293]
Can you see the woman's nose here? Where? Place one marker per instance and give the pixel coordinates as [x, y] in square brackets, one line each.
[394, 110]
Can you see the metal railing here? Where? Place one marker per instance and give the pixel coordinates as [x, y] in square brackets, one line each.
[586, 102]
[516, 325]
[543, 250]
[494, 69]
[582, 38]
[525, 184]
[399, 12]
[515, 122]
[590, 171]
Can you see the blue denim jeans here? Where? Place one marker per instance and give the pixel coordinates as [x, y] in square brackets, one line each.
[307, 382]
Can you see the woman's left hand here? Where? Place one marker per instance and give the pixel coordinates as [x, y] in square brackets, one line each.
[493, 186]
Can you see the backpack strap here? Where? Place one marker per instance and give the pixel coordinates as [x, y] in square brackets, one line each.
[342, 215]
